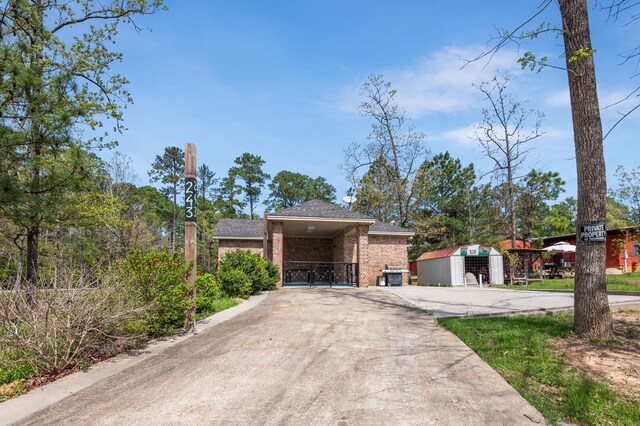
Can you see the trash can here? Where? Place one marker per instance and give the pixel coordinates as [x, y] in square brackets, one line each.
[381, 280]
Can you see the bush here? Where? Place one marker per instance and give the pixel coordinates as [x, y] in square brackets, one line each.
[207, 292]
[82, 320]
[157, 281]
[262, 274]
[235, 283]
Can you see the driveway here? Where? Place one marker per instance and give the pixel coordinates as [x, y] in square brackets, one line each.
[307, 356]
[454, 301]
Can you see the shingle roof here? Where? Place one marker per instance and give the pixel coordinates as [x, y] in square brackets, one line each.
[239, 228]
[378, 226]
[320, 209]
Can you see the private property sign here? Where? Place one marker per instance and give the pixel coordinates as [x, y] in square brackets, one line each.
[595, 232]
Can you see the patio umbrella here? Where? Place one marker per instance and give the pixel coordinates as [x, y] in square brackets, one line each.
[562, 247]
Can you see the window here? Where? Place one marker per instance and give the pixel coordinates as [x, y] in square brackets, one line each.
[636, 249]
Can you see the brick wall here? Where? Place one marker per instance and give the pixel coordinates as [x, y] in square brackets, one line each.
[345, 248]
[308, 249]
[225, 246]
[387, 250]
[277, 247]
[364, 268]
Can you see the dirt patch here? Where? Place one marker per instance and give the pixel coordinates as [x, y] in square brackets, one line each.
[617, 361]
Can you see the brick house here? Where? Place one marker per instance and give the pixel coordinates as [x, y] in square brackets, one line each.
[319, 242]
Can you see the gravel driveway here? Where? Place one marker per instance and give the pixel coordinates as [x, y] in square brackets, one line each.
[307, 356]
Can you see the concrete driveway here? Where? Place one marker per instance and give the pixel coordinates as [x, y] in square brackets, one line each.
[307, 356]
[454, 301]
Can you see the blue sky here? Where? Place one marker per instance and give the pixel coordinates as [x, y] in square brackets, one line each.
[281, 79]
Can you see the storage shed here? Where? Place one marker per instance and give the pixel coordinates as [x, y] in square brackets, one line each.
[461, 266]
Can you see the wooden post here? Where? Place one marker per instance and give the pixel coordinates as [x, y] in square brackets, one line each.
[190, 233]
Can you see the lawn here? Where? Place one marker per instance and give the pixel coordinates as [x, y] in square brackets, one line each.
[625, 282]
[527, 352]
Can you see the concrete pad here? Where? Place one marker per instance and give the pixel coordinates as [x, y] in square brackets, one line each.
[307, 356]
[460, 301]
[20, 408]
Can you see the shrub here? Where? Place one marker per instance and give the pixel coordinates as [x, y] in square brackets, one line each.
[157, 281]
[262, 273]
[63, 328]
[234, 283]
[207, 292]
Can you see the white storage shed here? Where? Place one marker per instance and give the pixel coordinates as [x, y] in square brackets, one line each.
[461, 266]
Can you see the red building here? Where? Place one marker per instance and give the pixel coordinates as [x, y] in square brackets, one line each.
[623, 247]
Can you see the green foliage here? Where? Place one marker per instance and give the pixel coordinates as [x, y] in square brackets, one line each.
[234, 283]
[628, 192]
[289, 189]
[207, 291]
[260, 273]
[522, 351]
[536, 189]
[249, 171]
[156, 280]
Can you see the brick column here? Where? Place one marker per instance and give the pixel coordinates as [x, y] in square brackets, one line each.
[363, 255]
[277, 249]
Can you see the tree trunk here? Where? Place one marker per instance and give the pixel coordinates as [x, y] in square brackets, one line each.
[592, 314]
[32, 263]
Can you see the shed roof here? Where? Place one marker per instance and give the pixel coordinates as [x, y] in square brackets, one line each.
[239, 229]
[445, 252]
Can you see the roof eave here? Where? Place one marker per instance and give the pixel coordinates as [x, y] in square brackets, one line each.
[229, 237]
[391, 233]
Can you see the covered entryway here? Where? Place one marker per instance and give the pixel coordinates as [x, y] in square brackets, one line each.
[319, 244]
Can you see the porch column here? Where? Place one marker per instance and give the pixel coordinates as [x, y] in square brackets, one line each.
[363, 255]
[277, 249]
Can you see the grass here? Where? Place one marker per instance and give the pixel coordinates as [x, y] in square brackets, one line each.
[521, 349]
[216, 306]
[626, 282]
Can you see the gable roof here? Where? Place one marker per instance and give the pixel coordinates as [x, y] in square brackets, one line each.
[238, 229]
[321, 210]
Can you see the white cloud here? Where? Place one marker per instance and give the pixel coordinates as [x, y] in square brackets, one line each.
[462, 136]
[438, 83]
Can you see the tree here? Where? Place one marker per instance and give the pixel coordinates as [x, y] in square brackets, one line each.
[561, 218]
[249, 171]
[54, 67]
[629, 191]
[394, 148]
[289, 189]
[441, 212]
[207, 181]
[531, 206]
[168, 169]
[374, 193]
[592, 313]
[505, 133]
[228, 202]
